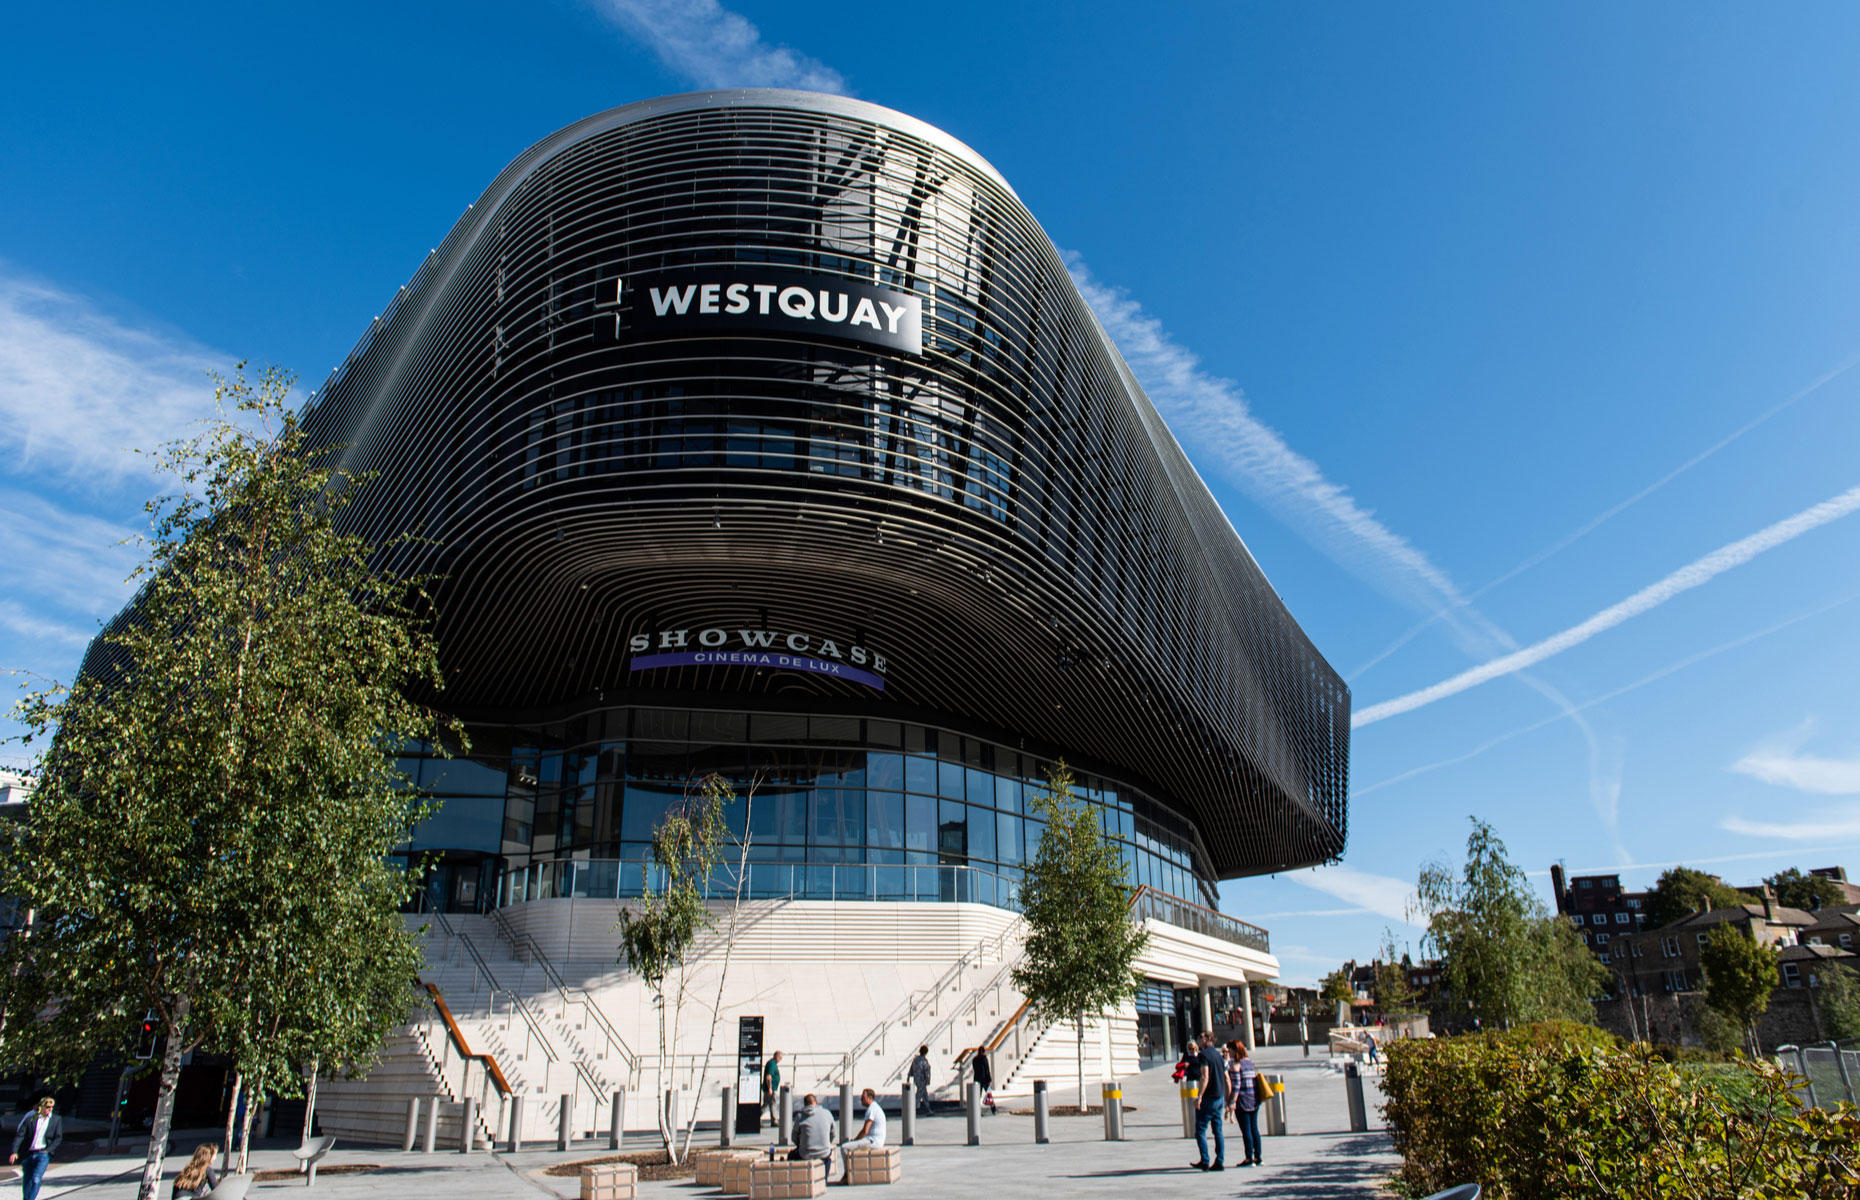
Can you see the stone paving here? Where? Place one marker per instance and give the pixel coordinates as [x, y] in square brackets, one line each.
[1318, 1158]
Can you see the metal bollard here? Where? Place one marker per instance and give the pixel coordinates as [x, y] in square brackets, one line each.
[432, 1123]
[784, 1115]
[468, 1124]
[1191, 1095]
[726, 1126]
[1275, 1108]
[846, 1112]
[973, 1102]
[1113, 1112]
[1042, 1123]
[1353, 1092]
[516, 1122]
[413, 1125]
[616, 1128]
[564, 1121]
[907, 1115]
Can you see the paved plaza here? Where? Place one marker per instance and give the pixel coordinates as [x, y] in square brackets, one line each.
[1318, 1158]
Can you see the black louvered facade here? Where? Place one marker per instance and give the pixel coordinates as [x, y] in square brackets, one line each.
[1001, 517]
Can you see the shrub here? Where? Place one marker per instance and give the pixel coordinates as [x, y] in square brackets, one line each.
[1564, 1112]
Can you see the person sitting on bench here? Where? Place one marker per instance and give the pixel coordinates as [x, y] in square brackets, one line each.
[813, 1132]
[872, 1133]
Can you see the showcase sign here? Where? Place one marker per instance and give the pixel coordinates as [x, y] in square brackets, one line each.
[732, 298]
[770, 648]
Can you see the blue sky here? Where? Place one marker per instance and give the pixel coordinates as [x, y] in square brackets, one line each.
[1425, 292]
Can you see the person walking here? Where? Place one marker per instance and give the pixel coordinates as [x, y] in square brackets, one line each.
[198, 1177]
[984, 1076]
[771, 1084]
[920, 1079]
[1212, 1105]
[1243, 1078]
[37, 1138]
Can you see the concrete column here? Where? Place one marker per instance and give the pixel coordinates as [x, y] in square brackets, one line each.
[616, 1129]
[468, 1122]
[846, 1112]
[726, 1128]
[784, 1115]
[516, 1122]
[907, 1116]
[973, 1102]
[564, 1121]
[1246, 1010]
[432, 1123]
[1042, 1124]
[1206, 1008]
[1353, 1091]
[413, 1124]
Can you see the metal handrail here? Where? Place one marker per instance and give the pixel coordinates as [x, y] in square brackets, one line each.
[1002, 976]
[457, 1036]
[528, 943]
[516, 1001]
[1146, 901]
[908, 1009]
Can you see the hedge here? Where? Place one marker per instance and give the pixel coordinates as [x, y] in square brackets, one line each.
[1559, 1111]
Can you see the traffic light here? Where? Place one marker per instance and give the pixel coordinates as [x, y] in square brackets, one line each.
[145, 1046]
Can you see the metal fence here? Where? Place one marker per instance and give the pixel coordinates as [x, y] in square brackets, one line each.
[1830, 1071]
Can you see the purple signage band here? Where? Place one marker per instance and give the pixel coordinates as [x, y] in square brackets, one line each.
[758, 658]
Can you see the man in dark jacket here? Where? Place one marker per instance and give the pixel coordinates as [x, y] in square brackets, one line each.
[37, 1139]
[920, 1078]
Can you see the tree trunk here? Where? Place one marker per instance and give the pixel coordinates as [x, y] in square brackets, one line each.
[232, 1116]
[1079, 1024]
[310, 1103]
[245, 1134]
[164, 1104]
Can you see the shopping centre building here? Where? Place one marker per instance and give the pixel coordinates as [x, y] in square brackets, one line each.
[765, 434]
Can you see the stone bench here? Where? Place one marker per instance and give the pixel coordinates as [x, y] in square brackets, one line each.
[874, 1164]
[779, 1179]
[733, 1173]
[610, 1181]
[711, 1164]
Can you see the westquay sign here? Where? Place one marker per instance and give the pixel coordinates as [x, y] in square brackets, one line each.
[719, 647]
[730, 298]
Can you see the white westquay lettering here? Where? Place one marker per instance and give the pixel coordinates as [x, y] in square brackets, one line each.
[673, 300]
[739, 298]
[865, 314]
[707, 297]
[892, 313]
[826, 307]
[763, 292]
[797, 302]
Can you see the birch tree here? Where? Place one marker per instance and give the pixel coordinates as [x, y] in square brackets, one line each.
[218, 800]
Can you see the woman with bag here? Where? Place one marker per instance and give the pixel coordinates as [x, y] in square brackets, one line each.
[198, 1177]
[1248, 1090]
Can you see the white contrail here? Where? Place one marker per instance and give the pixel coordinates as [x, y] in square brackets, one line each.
[1652, 596]
[1357, 793]
[716, 48]
[1590, 526]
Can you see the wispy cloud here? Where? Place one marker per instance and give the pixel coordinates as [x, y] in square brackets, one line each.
[1817, 825]
[1382, 895]
[1692, 575]
[717, 48]
[1779, 760]
[1212, 414]
[79, 390]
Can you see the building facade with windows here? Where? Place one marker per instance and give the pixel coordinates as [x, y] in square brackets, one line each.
[765, 435]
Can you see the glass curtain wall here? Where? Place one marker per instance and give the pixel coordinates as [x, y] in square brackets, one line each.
[817, 794]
